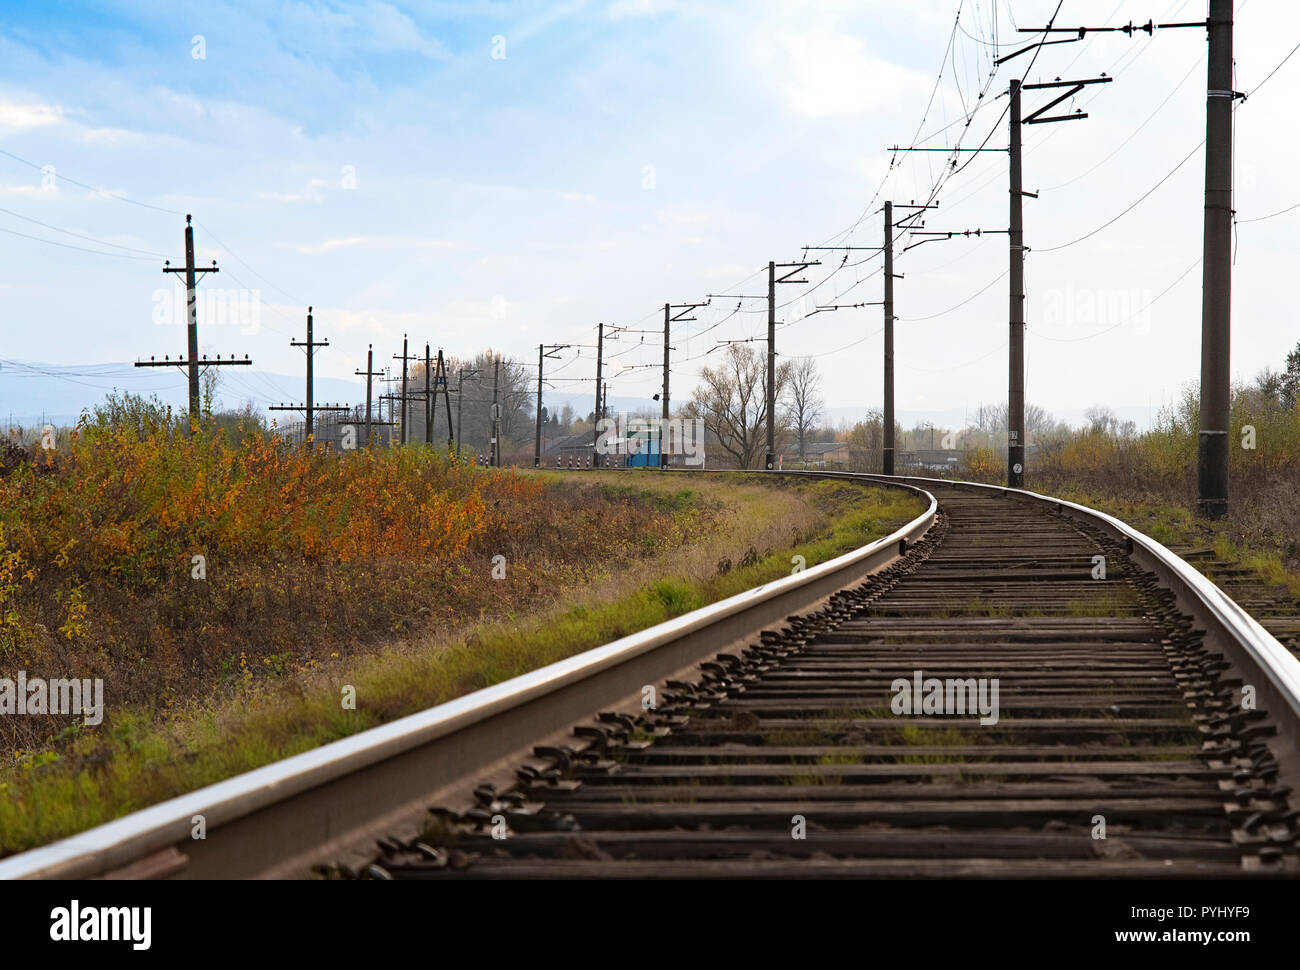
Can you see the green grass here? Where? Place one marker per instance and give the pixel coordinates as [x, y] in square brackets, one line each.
[1234, 542]
[1112, 602]
[914, 735]
[826, 759]
[978, 606]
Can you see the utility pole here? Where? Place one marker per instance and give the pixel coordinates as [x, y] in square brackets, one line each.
[369, 373]
[887, 429]
[192, 312]
[460, 403]
[428, 396]
[600, 350]
[1016, 317]
[310, 346]
[433, 406]
[460, 399]
[1212, 446]
[663, 423]
[192, 361]
[496, 412]
[309, 404]
[887, 452]
[406, 364]
[440, 381]
[1016, 233]
[770, 461]
[1216, 287]
[543, 351]
[406, 396]
[671, 317]
[1016, 253]
[537, 445]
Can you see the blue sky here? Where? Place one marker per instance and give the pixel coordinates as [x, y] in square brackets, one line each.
[377, 161]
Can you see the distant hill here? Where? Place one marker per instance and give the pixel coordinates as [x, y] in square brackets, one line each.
[34, 393]
[1141, 415]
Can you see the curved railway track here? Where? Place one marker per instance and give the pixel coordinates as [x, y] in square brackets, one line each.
[1110, 709]
[1116, 745]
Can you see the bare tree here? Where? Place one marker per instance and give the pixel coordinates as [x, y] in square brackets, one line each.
[1101, 419]
[866, 442]
[803, 399]
[517, 394]
[993, 417]
[1269, 390]
[731, 400]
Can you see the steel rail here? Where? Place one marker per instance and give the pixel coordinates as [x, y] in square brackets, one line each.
[1260, 659]
[280, 819]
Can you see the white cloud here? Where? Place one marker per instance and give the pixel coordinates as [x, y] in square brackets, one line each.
[107, 136]
[827, 74]
[310, 193]
[727, 271]
[621, 9]
[29, 115]
[687, 216]
[378, 242]
[370, 26]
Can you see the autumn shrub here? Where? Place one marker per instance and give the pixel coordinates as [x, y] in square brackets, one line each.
[174, 565]
[982, 465]
[1158, 468]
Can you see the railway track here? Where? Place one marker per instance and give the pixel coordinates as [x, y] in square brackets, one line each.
[791, 758]
[1089, 722]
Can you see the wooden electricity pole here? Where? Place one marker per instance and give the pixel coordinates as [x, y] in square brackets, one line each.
[1216, 293]
[192, 363]
[370, 373]
[309, 406]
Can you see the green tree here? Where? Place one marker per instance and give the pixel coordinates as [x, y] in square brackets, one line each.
[1291, 380]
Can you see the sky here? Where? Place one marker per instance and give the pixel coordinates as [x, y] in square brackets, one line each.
[506, 174]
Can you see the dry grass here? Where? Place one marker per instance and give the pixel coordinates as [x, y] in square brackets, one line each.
[141, 755]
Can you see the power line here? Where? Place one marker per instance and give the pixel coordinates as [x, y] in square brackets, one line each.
[293, 299]
[55, 242]
[1142, 309]
[1135, 131]
[968, 299]
[108, 195]
[827, 353]
[1142, 198]
[1280, 212]
[69, 232]
[1270, 74]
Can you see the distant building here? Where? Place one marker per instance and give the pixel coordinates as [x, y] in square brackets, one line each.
[823, 453]
[569, 444]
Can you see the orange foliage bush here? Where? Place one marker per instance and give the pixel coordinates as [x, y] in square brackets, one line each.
[306, 554]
